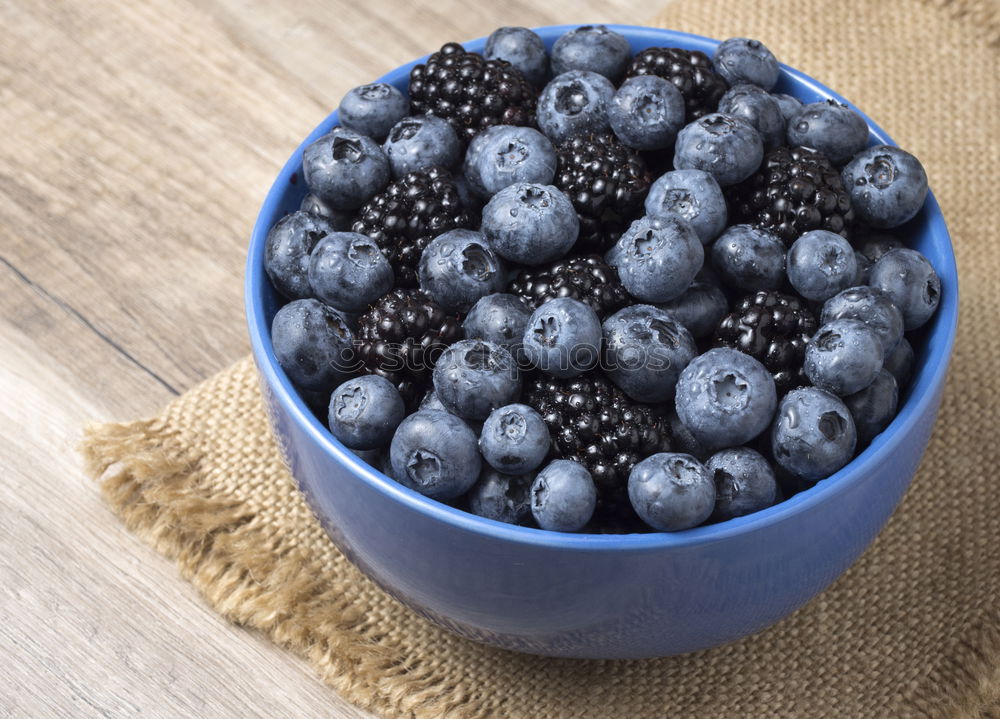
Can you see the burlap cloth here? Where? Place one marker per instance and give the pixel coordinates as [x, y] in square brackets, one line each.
[913, 629]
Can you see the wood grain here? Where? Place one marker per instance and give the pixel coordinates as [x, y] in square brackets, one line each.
[138, 140]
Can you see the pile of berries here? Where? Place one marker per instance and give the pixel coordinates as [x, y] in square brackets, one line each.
[505, 294]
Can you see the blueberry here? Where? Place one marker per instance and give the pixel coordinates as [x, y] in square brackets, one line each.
[699, 309]
[313, 344]
[742, 60]
[843, 357]
[900, 362]
[563, 337]
[466, 195]
[286, 252]
[504, 154]
[458, 267]
[563, 496]
[613, 255]
[750, 258]
[338, 219]
[911, 283]
[708, 275]
[474, 377]
[744, 482]
[372, 109]
[530, 224]
[350, 319]
[758, 108]
[681, 438]
[830, 127]
[789, 106]
[318, 401]
[420, 142]
[813, 434]
[820, 264]
[501, 497]
[874, 407]
[375, 458]
[365, 411]
[864, 269]
[348, 271]
[887, 185]
[436, 454]
[514, 439]
[873, 307]
[645, 350]
[498, 318]
[726, 147]
[523, 49]
[725, 398]
[431, 401]
[874, 244]
[647, 112]
[593, 48]
[575, 103]
[345, 169]
[695, 196]
[658, 257]
[671, 491]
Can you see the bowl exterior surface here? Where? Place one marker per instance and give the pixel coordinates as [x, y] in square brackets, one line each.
[602, 596]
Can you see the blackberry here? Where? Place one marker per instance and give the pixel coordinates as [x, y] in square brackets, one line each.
[607, 183]
[773, 327]
[689, 70]
[408, 214]
[400, 337]
[471, 92]
[795, 190]
[592, 422]
[588, 279]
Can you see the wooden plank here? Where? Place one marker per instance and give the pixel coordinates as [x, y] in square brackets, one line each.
[98, 623]
[139, 138]
[94, 622]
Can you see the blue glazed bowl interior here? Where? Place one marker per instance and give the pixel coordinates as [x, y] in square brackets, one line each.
[926, 233]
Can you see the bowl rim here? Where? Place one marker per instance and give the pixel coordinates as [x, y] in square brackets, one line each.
[921, 396]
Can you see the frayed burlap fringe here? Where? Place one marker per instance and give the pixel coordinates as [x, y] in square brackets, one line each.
[912, 630]
[252, 576]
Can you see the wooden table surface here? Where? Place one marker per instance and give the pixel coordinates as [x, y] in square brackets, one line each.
[137, 139]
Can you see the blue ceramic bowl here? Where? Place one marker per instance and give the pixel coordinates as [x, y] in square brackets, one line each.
[601, 596]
